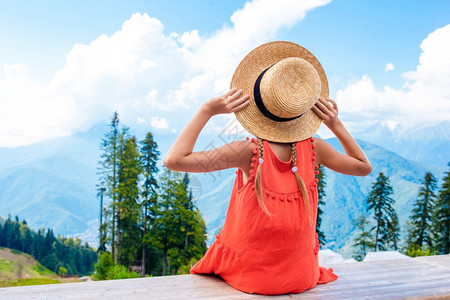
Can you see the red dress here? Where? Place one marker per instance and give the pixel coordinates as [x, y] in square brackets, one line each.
[256, 253]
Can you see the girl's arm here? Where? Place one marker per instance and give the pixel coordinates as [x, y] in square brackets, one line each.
[180, 156]
[354, 162]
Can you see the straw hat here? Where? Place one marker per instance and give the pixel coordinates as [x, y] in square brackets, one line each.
[284, 81]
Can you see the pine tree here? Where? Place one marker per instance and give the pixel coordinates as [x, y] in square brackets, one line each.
[26, 238]
[108, 170]
[441, 217]
[149, 158]
[393, 232]
[128, 208]
[192, 226]
[364, 241]
[2, 233]
[15, 241]
[381, 203]
[179, 230]
[9, 234]
[39, 244]
[422, 212]
[321, 191]
[164, 231]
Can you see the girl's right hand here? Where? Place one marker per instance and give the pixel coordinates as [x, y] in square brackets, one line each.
[231, 101]
[327, 110]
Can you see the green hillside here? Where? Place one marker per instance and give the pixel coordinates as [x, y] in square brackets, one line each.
[17, 269]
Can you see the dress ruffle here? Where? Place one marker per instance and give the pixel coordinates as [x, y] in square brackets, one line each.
[326, 275]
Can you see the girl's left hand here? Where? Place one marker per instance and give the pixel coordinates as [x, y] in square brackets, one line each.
[231, 101]
[327, 110]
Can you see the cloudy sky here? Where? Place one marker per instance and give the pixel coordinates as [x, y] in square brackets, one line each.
[66, 66]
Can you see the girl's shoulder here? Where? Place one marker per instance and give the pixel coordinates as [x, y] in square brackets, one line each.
[242, 151]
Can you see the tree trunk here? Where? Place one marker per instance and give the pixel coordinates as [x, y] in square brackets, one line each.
[118, 236]
[114, 184]
[113, 230]
[164, 263]
[143, 242]
[376, 236]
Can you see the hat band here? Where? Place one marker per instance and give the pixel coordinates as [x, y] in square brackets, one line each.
[260, 104]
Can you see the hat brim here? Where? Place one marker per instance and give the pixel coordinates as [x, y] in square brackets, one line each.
[251, 118]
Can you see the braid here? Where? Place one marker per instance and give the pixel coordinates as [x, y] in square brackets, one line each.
[261, 148]
[258, 180]
[300, 182]
[294, 154]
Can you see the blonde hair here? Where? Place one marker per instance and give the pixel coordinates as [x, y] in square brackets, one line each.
[258, 180]
[300, 183]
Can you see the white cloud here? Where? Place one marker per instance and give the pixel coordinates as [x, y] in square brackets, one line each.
[123, 72]
[139, 71]
[159, 123]
[389, 67]
[190, 39]
[425, 98]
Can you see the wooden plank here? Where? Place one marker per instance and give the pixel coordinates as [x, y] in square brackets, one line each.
[441, 260]
[363, 267]
[424, 277]
[393, 277]
[380, 268]
[374, 287]
[391, 274]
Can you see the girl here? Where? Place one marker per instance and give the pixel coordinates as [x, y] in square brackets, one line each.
[268, 243]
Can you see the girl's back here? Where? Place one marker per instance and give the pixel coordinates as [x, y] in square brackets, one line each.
[277, 253]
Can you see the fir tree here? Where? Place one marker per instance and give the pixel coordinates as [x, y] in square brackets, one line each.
[128, 208]
[8, 228]
[192, 225]
[422, 212]
[441, 218]
[179, 230]
[381, 203]
[108, 170]
[164, 232]
[364, 241]
[393, 232]
[27, 238]
[2, 233]
[149, 158]
[321, 191]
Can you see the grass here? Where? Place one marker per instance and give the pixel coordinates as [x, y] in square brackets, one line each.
[20, 269]
[28, 281]
[42, 270]
[14, 251]
[6, 266]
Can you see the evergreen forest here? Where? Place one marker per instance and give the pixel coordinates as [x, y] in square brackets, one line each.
[58, 254]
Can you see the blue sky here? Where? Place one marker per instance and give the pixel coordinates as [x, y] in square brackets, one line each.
[67, 65]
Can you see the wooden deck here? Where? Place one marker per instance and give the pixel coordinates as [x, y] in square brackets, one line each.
[413, 278]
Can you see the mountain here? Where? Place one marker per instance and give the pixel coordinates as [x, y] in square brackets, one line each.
[426, 143]
[53, 183]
